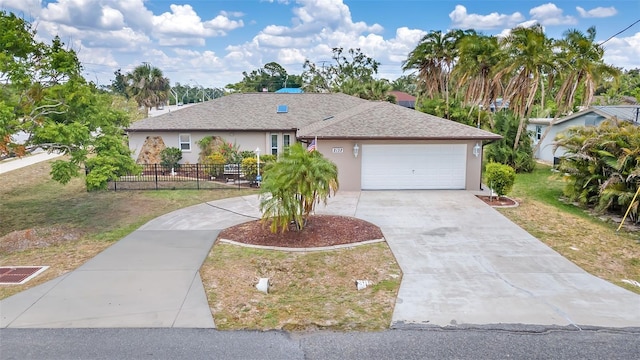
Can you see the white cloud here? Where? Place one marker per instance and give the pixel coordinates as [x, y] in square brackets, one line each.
[463, 20]
[623, 52]
[111, 18]
[599, 12]
[30, 8]
[183, 27]
[550, 14]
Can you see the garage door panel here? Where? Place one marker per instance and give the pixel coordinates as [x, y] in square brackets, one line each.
[417, 166]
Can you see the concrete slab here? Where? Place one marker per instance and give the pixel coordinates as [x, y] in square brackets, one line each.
[216, 215]
[148, 279]
[465, 263]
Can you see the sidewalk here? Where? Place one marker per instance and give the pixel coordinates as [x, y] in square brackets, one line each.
[148, 279]
[17, 163]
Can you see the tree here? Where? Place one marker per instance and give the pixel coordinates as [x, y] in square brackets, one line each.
[49, 102]
[528, 56]
[148, 86]
[272, 77]
[433, 58]
[475, 71]
[582, 68]
[406, 83]
[119, 84]
[292, 186]
[356, 68]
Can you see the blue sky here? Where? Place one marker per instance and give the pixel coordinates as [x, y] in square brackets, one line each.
[210, 43]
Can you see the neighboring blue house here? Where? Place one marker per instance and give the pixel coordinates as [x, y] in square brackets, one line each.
[290, 91]
[590, 117]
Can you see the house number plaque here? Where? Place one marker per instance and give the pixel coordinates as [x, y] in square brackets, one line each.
[337, 150]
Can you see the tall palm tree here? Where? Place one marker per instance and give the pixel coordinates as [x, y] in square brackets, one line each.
[528, 57]
[581, 69]
[148, 86]
[433, 58]
[583, 66]
[478, 57]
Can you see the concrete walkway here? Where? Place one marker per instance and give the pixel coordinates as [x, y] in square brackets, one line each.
[17, 163]
[462, 262]
[148, 279]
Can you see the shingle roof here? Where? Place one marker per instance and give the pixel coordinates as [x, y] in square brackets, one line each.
[383, 120]
[254, 111]
[321, 115]
[621, 112]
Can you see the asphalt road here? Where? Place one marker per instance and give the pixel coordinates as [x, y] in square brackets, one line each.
[429, 343]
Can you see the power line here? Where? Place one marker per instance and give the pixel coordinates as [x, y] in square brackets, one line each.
[619, 32]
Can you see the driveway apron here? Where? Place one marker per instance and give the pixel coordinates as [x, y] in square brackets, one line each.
[149, 278]
[465, 263]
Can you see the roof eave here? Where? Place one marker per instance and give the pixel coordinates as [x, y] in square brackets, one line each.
[320, 137]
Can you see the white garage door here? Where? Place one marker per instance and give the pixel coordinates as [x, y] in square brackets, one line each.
[414, 166]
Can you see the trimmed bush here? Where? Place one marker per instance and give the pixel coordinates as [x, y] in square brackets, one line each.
[170, 157]
[500, 178]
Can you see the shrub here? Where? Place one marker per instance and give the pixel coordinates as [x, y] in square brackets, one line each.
[215, 162]
[250, 168]
[170, 157]
[500, 178]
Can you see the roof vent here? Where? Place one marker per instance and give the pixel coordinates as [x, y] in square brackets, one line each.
[282, 109]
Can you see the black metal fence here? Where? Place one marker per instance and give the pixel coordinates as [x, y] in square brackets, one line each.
[187, 176]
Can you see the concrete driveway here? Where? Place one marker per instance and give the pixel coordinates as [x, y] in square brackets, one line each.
[465, 263]
[462, 263]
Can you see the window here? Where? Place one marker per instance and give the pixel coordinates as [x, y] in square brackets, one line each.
[286, 140]
[274, 144]
[185, 142]
[538, 133]
[282, 109]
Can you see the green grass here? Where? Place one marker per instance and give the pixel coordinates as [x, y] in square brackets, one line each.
[545, 185]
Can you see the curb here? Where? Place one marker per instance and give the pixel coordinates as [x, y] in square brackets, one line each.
[310, 249]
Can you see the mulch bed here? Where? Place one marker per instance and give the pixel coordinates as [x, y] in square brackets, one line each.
[497, 201]
[321, 230]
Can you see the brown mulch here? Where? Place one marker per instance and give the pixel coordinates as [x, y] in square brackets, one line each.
[497, 201]
[321, 230]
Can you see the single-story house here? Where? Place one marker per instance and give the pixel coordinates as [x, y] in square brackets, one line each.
[404, 99]
[375, 144]
[589, 117]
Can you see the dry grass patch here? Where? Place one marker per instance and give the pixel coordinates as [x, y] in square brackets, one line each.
[589, 243]
[308, 290]
[62, 226]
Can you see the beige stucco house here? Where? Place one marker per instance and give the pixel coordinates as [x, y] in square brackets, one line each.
[376, 145]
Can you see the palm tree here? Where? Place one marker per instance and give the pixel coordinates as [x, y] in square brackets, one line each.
[528, 57]
[581, 69]
[434, 58]
[148, 86]
[602, 164]
[583, 65]
[294, 184]
[474, 72]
